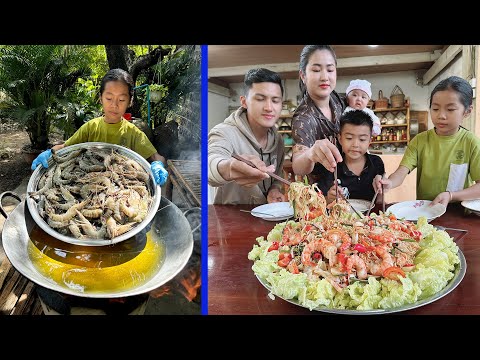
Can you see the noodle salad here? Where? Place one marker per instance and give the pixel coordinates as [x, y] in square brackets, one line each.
[329, 257]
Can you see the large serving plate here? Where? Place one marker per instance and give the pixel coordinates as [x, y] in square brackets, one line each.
[459, 273]
[412, 210]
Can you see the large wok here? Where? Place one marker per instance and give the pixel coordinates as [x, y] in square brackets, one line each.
[169, 226]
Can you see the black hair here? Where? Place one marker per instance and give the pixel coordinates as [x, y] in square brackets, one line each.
[260, 75]
[457, 84]
[307, 51]
[356, 117]
[117, 75]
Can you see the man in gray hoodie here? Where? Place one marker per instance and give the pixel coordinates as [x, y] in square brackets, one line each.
[250, 132]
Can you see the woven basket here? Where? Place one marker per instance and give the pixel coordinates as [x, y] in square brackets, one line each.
[382, 102]
[397, 99]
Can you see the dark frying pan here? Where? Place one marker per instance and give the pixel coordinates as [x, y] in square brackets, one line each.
[169, 226]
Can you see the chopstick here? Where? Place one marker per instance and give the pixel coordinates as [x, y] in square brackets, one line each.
[375, 197]
[356, 212]
[383, 195]
[248, 162]
[453, 229]
[256, 212]
[373, 202]
[335, 173]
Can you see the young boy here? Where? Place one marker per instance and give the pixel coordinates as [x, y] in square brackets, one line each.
[358, 168]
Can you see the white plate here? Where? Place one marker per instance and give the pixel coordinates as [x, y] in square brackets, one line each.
[360, 205]
[473, 205]
[274, 211]
[412, 210]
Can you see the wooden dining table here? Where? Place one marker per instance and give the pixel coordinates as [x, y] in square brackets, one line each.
[234, 289]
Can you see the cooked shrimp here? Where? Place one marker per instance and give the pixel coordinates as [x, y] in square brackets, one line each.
[382, 235]
[356, 262]
[322, 246]
[339, 237]
[291, 235]
[377, 268]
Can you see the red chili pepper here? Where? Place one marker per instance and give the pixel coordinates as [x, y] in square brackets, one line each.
[342, 258]
[275, 245]
[360, 248]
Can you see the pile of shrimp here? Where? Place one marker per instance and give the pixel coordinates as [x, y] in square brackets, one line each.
[340, 247]
[93, 193]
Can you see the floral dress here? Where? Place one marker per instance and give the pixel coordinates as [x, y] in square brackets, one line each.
[309, 125]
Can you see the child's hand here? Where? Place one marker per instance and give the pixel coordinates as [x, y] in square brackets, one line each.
[331, 194]
[42, 159]
[159, 173]
[378, 181]
[442, 198]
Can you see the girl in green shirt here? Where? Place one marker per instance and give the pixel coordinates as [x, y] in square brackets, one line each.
[447, 157]
[116, 94]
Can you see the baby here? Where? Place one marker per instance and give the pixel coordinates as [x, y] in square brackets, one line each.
[358, 95]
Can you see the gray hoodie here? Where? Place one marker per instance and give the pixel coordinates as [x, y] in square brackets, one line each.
[235, 135]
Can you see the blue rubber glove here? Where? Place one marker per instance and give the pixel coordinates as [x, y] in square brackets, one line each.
[159, 173]
[42, 159]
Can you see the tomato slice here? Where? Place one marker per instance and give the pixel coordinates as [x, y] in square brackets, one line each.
[275, 245]
[284, 259]
[393, 273]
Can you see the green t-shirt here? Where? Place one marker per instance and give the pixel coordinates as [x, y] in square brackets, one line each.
[122, 133]
[444, 163]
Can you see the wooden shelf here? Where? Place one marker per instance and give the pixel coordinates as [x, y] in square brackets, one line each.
[389, 142]
[390, 109]
[393, 125]
[286, 116]
[284, 131]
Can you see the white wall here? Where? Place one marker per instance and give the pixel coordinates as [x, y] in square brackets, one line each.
[217, 109]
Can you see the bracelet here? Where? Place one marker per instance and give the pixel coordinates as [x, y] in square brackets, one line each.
[451, 195]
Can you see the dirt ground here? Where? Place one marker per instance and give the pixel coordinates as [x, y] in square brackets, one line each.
[13, 167]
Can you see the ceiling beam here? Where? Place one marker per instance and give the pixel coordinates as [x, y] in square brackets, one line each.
[445, 59]
[342, 63]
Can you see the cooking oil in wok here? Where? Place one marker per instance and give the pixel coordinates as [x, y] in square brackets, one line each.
[96, 269]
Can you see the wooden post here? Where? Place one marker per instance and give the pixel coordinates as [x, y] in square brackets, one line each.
[476, 99]
[468, 72]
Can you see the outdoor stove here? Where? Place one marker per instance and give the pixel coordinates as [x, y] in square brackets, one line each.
[179, 296]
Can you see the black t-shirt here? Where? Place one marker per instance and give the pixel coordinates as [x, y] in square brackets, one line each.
[359, 187]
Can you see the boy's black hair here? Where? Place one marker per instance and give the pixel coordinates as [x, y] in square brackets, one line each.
[258, 76]
[356, 117]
